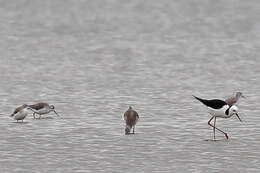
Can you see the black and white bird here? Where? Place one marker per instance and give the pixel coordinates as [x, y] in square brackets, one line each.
[219, 108]
[131, 117]
[42, 108]
[234, 99]
[21, 112]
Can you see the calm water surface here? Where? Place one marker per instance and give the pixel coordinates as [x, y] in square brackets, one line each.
[92, 59]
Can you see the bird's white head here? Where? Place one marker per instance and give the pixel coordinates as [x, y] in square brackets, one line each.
[233, 110]
[52, 108]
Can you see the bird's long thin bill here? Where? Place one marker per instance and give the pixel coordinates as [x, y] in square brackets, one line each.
[56, 113]
[238, 117]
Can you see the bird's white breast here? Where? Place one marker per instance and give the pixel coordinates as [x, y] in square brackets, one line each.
[21, 114]
[44, 111]
[218, 112]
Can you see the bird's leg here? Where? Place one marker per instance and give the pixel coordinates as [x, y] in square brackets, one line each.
[34, 115]
[216, 127]
[134, 130]
[212, 126]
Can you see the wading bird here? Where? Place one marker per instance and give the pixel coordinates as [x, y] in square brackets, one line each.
[234, 99]
[21, 112]
[219, 108]
[42, 108]
[131, 117]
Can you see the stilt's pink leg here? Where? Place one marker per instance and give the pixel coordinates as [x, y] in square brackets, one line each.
[216, 127]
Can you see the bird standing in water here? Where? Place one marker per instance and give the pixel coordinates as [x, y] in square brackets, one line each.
[219, 108]
[131, 117]
[42, 108]
[21, 112]
[234, 99]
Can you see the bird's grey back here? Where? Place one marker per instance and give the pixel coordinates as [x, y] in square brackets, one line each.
[18, 109]
[233, 99]
[131, 117]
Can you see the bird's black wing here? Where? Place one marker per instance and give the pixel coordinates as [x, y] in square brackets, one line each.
[214, 103]
[38, 106]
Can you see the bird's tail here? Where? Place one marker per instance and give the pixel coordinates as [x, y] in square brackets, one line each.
[200, 99]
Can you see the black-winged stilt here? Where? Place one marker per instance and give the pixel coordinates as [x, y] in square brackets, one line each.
[42, 108]
[219, 108]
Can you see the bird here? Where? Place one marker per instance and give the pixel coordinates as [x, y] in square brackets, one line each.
[219, 108]
[21, 112]
[42, 108]
[131, 117]
[234, 99]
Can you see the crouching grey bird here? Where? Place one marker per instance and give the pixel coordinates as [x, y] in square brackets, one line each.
[21, 112]
[234, 99]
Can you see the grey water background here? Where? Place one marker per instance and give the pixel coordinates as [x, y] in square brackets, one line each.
[92, 59]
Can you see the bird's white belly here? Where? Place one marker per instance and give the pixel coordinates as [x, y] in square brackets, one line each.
[219, 112]
[43, 111]
[20, 116]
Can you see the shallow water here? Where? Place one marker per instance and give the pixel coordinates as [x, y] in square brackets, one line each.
[92, 59]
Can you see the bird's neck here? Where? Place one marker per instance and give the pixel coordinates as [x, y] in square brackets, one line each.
[238, 96]
[35, 111]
